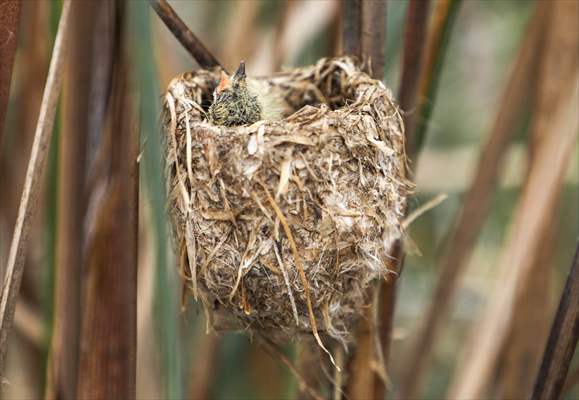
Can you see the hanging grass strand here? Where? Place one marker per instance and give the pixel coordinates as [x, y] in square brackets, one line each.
[300, 268]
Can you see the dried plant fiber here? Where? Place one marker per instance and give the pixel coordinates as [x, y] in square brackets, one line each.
[281, 226]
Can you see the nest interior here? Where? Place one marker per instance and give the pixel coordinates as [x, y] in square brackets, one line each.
[281, 226]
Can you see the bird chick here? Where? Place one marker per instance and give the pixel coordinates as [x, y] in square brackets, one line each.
[239, 100]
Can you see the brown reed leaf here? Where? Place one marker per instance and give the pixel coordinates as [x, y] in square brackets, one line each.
[107, 366]
[76, 116]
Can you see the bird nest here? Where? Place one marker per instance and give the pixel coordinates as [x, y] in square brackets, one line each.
[281, 226]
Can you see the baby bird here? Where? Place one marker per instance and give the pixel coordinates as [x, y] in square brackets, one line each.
[239, 100]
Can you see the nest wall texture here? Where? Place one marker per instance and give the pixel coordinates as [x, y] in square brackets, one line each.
[321, 191]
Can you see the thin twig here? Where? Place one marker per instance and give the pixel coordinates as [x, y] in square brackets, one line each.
[562, 340]
[429, 205]
[31, 188]
[188, 40]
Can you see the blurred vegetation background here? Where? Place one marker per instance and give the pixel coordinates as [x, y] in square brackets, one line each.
[175, 357]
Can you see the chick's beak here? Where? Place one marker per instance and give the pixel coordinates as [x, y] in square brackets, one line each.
[223, 83]
[240, 73]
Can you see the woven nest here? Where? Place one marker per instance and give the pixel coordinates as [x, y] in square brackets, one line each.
[281, 226]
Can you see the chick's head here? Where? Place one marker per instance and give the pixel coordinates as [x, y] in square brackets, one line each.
[233, 103]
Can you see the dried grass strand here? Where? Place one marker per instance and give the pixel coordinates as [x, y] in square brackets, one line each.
[432, 203]
[286, 280]
[300, 267]
[173, 139]
[191, 255]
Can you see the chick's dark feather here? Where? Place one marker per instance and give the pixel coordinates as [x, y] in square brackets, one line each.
[235, 106]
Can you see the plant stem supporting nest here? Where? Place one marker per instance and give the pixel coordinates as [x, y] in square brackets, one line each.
[190, 42]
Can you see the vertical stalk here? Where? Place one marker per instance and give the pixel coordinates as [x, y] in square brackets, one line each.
[108, 337]
[412, 62]
[373, 338]
[373, 35]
